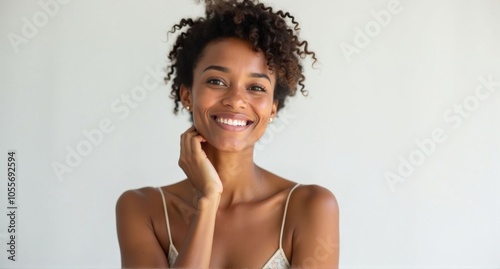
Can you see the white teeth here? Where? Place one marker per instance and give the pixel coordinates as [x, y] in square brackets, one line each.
[231, 122]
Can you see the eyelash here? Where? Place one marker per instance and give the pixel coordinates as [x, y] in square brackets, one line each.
[219, 82]
[216, 82]
[261, 88]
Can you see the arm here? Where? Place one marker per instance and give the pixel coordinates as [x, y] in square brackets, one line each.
[197, 247]
[316, 237]
[138, 244]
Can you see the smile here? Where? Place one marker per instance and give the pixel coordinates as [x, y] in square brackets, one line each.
[231, 122]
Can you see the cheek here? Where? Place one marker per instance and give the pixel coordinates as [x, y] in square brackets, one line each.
[198, 115]
[202, 101]
[265, 106]
[204, 98]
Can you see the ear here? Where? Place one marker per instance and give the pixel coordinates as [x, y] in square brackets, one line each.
[186, 97]
[274, 110]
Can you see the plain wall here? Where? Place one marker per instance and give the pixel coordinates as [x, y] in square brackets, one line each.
[372, 101]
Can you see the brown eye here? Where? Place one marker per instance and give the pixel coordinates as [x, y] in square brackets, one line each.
[258, 88]
[216, 82]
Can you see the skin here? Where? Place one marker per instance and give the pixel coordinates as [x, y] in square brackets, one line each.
[227, 213]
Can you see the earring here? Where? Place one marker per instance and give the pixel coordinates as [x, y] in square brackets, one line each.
[270, 119]
[187, 107]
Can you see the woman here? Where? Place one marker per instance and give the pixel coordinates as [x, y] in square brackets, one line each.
[232, 70]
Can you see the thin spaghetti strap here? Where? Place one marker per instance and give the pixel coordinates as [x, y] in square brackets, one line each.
[284, 214]
[166, 215]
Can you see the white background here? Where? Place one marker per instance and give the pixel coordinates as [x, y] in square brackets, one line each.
[362, 117]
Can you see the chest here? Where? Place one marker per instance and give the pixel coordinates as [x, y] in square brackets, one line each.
[247, 236]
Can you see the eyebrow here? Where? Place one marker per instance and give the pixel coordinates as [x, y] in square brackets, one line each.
[226, 70]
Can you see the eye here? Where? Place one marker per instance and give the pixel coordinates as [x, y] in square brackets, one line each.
[216, 82]
[258, 88]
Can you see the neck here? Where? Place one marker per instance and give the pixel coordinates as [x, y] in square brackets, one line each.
[239, 175]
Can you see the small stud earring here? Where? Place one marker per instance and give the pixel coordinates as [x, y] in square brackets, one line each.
[187, 107]
[270, 119]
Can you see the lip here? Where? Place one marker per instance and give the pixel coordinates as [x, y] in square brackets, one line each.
[232, 116]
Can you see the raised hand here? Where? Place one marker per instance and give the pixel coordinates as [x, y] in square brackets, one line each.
[196, 165]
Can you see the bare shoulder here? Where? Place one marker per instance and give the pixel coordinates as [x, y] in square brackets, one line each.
[305, 196]
[313, 202]
[315, 195]
[135, 198]
[136, 211]
[148, 196]
[315, 217]
[136, 194]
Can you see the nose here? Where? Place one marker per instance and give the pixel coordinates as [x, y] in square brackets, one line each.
[235, 97]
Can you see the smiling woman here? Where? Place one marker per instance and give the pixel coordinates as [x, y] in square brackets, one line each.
[232, 70]
[231, 95]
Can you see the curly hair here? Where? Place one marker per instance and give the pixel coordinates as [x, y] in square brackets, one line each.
[265, 29]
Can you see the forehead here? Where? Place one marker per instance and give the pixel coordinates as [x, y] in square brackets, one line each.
[235, 54]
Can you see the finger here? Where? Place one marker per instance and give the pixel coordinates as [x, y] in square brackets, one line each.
[196, 145]
[191, 129]
[185, 144]
[191, 144]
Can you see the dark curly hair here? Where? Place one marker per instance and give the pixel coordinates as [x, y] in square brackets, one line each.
[265, 29]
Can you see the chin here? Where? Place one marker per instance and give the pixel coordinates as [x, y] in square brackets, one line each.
[230, 146]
